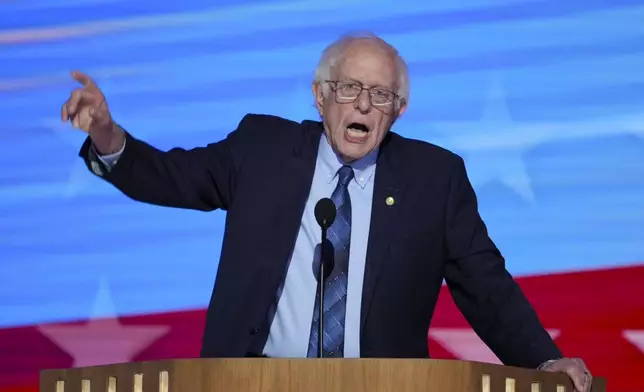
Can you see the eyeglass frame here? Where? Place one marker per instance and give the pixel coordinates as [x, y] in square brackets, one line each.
[334, 87]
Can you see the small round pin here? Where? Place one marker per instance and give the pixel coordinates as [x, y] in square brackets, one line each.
[389, 201]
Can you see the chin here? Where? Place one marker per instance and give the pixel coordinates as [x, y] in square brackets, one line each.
[352, 146]
[353, 152]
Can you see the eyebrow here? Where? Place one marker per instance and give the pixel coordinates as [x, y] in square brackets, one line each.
[362, 84]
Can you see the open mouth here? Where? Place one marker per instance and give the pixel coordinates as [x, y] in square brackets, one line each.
[357, 131]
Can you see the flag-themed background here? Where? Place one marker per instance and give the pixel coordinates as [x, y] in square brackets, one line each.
[543, 98]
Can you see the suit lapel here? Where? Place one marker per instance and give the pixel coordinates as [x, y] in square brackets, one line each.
[297, 177]
[294, 184]
[387, 198]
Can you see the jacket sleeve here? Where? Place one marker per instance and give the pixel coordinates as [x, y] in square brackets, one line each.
[482, 288]
[201, 178]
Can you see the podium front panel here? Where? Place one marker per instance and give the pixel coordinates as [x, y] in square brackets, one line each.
[306, 375]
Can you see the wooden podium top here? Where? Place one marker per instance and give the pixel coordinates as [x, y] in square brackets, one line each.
[306, 375]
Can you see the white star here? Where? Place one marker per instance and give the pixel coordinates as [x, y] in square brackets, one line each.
[487, 156]
[475, 136]
[504, 165]
[465, 344]
[80, 179]
[103, 339]
[635, 337]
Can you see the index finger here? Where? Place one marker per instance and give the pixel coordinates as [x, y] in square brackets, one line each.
[83, 79]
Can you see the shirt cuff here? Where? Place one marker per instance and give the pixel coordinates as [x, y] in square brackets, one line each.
[109, 160]
[546, 363]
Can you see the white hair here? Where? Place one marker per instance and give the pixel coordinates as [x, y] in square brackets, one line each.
[334, 52]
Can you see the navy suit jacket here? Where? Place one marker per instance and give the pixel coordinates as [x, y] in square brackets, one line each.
[432, 232]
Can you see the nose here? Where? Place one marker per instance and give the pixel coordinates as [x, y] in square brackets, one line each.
[362, 103]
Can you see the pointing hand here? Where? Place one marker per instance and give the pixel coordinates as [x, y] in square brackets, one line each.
[87, 110]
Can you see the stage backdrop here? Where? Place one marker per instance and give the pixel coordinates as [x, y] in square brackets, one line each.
[543, 98]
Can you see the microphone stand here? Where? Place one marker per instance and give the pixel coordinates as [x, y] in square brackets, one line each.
[325, 212]
[321, 280]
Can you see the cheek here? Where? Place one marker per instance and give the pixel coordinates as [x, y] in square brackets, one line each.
[383, 126]
[334, 116]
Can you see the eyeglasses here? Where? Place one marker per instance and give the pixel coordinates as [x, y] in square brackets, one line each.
[346, 92]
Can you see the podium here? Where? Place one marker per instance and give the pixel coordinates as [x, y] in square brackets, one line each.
[306, 375]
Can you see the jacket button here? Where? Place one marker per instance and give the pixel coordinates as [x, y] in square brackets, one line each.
[253, 331]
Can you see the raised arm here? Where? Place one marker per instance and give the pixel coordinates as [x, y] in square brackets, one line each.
[201, 178]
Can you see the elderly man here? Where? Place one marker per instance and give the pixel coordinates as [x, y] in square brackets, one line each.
[407, 218]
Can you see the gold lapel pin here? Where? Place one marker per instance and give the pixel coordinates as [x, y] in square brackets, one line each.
[390, 201]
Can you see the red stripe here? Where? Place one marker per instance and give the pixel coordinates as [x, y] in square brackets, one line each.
[590, 309]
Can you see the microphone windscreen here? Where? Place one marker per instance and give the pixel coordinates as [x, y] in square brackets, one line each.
[325, 212]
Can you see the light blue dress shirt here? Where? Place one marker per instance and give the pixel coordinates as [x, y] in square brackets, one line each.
[291, 325]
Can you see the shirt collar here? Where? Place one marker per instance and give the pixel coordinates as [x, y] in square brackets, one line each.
[363, 168]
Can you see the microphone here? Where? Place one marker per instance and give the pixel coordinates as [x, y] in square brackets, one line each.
[325, 215]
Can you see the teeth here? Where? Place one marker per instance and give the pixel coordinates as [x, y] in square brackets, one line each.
[354, 133]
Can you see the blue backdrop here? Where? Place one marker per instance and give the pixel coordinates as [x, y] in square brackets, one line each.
[544, 99]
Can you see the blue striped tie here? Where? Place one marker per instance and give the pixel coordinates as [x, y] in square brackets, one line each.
[335, 289]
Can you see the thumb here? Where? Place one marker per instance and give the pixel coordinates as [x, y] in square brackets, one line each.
[579, 382]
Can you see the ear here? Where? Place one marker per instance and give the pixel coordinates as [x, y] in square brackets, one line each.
[318, 95]
[402, 108]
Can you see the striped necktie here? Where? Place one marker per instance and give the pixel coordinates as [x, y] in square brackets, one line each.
[335, 286]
